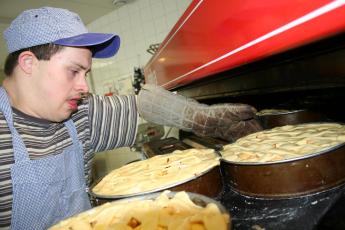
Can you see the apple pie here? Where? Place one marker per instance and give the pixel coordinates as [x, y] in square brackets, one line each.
[285, 142]
[157, 172]
[163, 213]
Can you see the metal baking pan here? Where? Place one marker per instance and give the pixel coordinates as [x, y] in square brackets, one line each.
[292, 117]
[287, 178]
[208, 183]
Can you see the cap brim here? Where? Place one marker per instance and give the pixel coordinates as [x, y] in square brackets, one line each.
[101, 45]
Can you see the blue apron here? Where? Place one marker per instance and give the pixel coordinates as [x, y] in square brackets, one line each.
[45, 190]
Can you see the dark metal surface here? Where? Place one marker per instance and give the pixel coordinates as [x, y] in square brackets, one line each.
[207, 142]
[292, 177]
[308, 212]
[163, 146]
[334, 218]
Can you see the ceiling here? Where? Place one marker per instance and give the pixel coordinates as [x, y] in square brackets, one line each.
[88, 10]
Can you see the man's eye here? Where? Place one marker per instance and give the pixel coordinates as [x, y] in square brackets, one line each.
[74, 72]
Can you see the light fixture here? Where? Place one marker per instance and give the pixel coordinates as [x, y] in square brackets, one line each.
[119, 3]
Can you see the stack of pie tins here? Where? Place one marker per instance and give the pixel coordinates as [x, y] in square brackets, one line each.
[192, 170]
[270, 118]
[286, 161]
[163, 210]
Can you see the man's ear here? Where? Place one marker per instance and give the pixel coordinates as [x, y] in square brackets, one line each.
[26, 60]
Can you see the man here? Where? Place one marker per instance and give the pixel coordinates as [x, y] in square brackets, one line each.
[49, 133]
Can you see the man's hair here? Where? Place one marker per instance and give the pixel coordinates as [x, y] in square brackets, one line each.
[42, 52]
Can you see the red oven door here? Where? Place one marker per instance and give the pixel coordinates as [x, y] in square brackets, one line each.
[217, 35]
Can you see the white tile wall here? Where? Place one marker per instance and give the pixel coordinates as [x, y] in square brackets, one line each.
[139, 24]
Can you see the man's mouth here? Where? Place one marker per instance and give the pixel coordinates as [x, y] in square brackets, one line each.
[73, 103]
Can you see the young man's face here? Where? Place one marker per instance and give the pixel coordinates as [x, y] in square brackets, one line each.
[60, 81]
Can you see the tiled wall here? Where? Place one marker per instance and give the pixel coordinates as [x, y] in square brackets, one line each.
[139, 24]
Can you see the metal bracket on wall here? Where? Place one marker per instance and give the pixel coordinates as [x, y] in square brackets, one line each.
[153, 48]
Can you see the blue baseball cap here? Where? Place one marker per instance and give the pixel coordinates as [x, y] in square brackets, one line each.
[58, 26]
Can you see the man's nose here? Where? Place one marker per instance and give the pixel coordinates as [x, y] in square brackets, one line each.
[82, 84]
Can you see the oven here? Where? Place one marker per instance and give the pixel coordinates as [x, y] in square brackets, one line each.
[286, 54]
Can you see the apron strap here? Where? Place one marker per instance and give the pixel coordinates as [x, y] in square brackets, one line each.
[19, 150]
[72, 130]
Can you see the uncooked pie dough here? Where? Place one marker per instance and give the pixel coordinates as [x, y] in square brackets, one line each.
[285, 142]
[176, 213]
[157, 172]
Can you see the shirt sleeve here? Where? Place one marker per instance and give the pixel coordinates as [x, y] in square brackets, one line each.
[114, 121]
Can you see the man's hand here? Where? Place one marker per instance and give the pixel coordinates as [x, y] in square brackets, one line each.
[225, 121]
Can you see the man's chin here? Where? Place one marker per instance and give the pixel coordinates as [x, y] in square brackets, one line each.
[64, 117]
